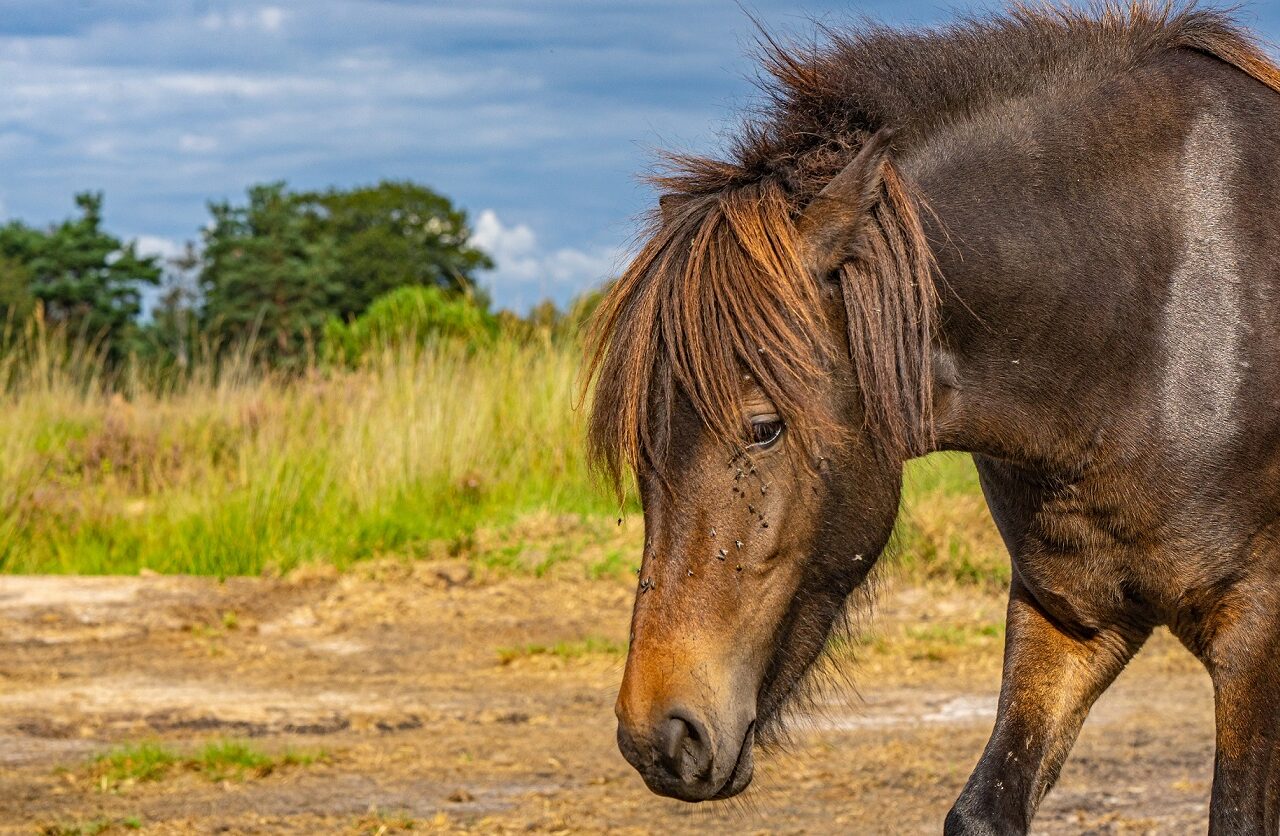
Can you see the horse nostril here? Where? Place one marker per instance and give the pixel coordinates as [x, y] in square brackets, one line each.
[686, 749]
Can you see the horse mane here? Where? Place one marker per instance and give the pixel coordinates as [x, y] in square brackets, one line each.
[718, 290]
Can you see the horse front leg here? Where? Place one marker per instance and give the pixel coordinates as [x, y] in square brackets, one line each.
[1050, 681]
[1239, 643]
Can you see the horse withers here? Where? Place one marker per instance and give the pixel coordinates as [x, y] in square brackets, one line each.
[1046, 238]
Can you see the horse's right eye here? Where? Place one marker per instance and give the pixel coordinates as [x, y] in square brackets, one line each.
[765, 431]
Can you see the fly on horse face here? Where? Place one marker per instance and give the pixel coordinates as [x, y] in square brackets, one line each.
[1048, 239]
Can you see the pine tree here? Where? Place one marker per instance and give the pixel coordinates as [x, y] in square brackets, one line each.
[87, 280]
[270, 276]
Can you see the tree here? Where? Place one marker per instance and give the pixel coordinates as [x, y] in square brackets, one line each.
[277, 268]
[270, 277]
[16, 302]
[88, 281]
[395, 234]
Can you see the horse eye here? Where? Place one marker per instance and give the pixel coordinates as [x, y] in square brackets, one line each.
[765, 431]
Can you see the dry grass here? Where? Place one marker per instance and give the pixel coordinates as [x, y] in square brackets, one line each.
[241, 473]
[448, 451]
[945, 531]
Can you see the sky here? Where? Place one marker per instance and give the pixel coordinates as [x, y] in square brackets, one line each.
[536, 116]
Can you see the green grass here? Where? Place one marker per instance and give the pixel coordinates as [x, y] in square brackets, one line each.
[220, 760]
[956, 635]
[232, 760]
[238, 476]
[944, 531]
[441, 452]
[944, 642]
[572, 649]
[135, 763]
[615, 563]
[93, 827]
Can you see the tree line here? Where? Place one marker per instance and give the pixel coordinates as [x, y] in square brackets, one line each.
[271, 274]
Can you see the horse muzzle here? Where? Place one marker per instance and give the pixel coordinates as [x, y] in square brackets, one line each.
[680, 754]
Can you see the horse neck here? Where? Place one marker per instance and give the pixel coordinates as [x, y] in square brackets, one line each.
[1060, 232]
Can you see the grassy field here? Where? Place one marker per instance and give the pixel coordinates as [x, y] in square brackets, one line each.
[447, 451]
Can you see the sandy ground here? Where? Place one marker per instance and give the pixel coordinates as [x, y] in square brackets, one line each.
[398, 673]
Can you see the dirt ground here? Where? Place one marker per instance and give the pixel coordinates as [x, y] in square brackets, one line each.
[422, 685]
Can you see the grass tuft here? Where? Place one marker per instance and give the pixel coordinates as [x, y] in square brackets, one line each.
[233, 760]
[568, 650]
[382, 823]
[941, 642]
[93, 827]
[944, 531]
[133, 764]
[220, 760]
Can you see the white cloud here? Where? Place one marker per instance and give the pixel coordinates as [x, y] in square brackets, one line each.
[196, 144]
[525, 273]
[37, 89]
[271, 18]
[102, 147]
[165, 248]
[268, 19]
[512, 247]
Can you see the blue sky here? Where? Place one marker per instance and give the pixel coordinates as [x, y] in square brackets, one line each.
[534, 115]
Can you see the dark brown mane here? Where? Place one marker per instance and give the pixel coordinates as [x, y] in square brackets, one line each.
[719, 290]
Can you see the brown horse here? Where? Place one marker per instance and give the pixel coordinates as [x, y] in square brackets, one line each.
[1047, 238]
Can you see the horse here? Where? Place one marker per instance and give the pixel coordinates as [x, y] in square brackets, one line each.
[1043, 236]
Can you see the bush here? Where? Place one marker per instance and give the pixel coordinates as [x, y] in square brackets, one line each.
[408, 317]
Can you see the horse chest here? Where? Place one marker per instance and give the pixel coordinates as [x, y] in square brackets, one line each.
[1091, 556]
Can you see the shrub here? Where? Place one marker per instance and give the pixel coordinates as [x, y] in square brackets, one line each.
[408, 317]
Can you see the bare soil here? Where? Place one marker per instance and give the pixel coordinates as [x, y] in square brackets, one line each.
[419, 682]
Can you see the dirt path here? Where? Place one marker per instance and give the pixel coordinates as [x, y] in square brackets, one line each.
[442, 701]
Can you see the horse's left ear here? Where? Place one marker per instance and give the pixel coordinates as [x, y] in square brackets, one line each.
[830, 225]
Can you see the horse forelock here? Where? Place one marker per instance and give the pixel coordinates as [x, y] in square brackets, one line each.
[717, 295]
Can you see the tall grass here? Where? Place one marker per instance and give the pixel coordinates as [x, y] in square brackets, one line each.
[226, 470]
[237, 472]
[944, 530]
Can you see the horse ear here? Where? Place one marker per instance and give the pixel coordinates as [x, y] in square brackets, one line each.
[669, 205]
[829, 225]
